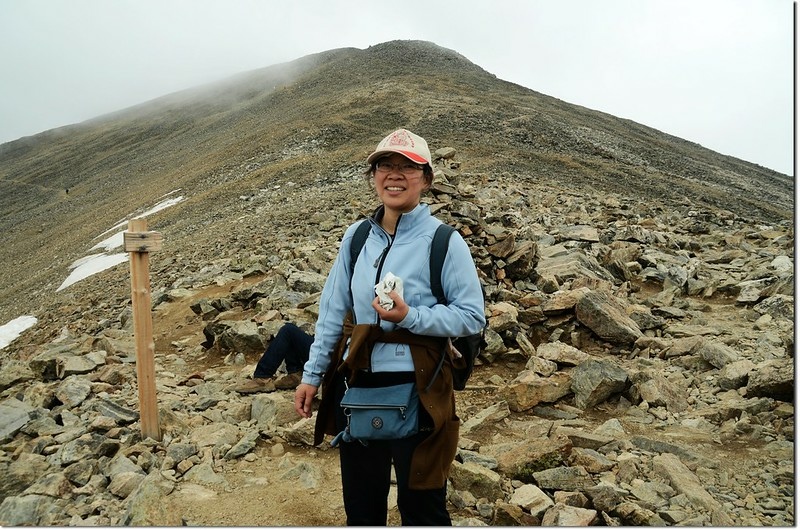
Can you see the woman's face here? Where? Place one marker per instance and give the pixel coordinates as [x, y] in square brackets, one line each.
[401, 187]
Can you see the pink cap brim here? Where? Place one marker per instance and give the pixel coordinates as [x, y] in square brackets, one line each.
[414, 157]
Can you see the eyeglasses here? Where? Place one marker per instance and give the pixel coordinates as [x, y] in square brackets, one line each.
[406, 168]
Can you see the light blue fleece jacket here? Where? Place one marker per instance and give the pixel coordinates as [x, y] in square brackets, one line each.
[407, 256]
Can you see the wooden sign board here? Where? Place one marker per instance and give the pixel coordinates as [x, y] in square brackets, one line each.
[141, 241]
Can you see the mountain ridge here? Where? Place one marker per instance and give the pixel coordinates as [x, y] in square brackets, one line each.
[340, 101]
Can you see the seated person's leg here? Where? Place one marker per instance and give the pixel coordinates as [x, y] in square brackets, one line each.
[296, 355]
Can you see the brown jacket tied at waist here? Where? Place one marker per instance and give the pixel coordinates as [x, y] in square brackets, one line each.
[432, 458]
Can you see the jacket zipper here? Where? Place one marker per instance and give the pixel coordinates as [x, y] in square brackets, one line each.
[382, 258]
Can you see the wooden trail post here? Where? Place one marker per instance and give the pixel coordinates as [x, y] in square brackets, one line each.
[139, 243]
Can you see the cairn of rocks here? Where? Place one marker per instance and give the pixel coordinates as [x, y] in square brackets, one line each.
[649, 345]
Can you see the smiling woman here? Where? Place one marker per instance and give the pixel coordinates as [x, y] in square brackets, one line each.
[394, 343]
[399, 185]
[401, 167]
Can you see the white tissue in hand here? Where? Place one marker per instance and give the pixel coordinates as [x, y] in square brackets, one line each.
[389, 283]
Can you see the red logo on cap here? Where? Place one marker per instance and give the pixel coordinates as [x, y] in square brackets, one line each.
[400, 138]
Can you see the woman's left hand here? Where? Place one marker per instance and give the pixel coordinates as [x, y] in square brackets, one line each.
[398, 311]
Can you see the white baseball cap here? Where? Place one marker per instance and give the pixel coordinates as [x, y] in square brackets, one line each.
[408, 144]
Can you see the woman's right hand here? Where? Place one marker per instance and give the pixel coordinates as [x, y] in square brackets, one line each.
[303, 397]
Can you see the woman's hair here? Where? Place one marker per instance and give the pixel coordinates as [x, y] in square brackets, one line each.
[427, 172]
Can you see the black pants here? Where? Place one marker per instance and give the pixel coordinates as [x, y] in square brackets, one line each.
[291, 344]
[366, 471]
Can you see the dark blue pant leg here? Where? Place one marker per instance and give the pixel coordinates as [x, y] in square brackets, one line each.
[292, 345]
[297, 355]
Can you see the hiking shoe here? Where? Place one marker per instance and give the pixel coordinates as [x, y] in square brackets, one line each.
[256, 384]
[288, 381]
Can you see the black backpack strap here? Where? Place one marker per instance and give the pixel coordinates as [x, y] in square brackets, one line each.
[357, 243]
[439, 246]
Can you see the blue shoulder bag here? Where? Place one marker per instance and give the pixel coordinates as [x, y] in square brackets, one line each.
[382, 413]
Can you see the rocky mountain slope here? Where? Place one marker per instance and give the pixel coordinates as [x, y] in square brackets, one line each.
[639, 362]
[314, 120]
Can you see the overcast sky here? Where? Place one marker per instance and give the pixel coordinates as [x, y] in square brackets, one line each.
[716, 72]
